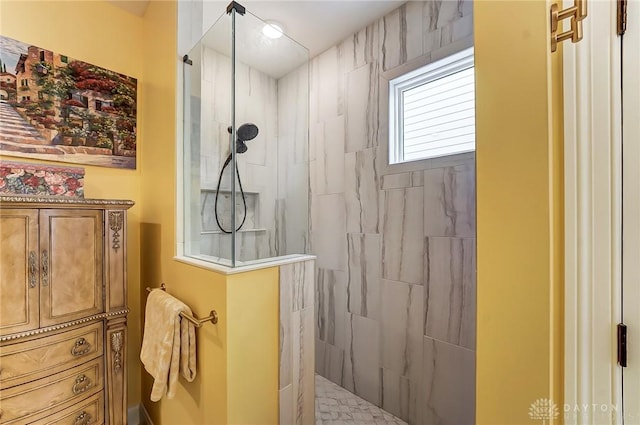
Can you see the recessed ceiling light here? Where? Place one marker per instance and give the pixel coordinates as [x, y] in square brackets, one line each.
[272, 30]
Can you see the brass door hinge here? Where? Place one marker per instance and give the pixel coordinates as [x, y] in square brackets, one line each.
[576, 13]
[622, 16]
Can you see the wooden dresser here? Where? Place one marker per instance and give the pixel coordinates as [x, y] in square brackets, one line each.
[63, 311]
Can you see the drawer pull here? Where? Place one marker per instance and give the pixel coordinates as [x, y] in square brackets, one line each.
[81, 347]
[32, 269]
[83, 419]
[82, 384]
[45, 268]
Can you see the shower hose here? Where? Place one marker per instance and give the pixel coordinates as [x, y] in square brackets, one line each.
[244, 200]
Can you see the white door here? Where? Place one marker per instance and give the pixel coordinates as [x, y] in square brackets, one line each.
[631, 212]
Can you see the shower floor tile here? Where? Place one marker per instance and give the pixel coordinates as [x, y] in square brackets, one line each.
[337, 406]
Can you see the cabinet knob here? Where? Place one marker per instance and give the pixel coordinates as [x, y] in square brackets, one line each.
[81, 347]
[83, 419]
[82, 384]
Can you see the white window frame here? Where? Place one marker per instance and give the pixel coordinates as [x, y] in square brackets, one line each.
[449, 65]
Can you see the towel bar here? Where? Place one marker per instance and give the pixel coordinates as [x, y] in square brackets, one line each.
[213, 315]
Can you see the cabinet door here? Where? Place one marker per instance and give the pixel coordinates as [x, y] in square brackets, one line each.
[19, 271]
[70, 265]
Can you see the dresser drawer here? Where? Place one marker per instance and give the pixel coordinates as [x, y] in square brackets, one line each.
[23, 403]
[87, 412]
[35, 359]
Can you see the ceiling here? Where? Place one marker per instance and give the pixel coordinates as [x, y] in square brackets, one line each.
[316, 25]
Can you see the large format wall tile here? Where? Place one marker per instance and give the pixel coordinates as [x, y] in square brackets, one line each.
[361, 123]
[361, 191]
[402, 396]
[363, 289]
[331, 306]
[402, 231]
[330, 361]
[450, 290]
[402, 329]
[329, 234]
[369, 224]
[450, 201]
[362, 371]
[297, 345]
[330, 161]
[449, 384]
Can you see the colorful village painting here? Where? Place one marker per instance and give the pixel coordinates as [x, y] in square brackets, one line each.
[57, 108]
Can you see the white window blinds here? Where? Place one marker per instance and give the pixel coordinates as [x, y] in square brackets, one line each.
[433, 111]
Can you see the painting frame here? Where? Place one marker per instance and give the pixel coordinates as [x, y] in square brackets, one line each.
[54, 107]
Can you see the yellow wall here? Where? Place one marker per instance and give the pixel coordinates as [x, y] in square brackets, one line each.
[253, 345]
[519, 211]
[104, 35]
[237, 379]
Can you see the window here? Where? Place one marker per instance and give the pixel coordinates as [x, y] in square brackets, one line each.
[64, 59]
[41, 55]
[432, 110]
[24, 83]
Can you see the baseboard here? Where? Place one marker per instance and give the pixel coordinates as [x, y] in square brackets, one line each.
[133, 415]
[145, 419]
[138, 415]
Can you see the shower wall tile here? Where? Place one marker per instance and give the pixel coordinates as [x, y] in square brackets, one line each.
[330, 361]
[314, 94]
[297, 279]
[331, 307]
[449, 384]
[449, 201]
[303, 366]
[449, 11]
[330, 234]
[362, 108]
[401, 396]
[362, 367]
[330, 161]
[402, 328]
[411, 24]
[450, 290]
[285, 399]
[328, 82]
[396, 181]
[369, 227]
[417, 179]
[366, 44]
[391, 32]
[363, 289]
[361, 191]
[286, 333]
[297, 348]
[402, 228]
[463, 28]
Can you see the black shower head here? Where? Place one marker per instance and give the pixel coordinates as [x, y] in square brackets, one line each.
[247, 131]
[244, 133]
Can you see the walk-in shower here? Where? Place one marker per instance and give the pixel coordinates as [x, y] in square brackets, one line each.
[246, 177]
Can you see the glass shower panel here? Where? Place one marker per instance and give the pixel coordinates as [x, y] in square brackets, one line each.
[265, 122]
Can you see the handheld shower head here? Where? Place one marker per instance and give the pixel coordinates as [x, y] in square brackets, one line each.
[244, 133]
[247, 132]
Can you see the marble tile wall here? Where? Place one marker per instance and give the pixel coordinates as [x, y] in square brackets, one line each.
[297, 353]
[395, 283]
[274, 170]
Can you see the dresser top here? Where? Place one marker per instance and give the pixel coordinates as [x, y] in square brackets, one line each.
[13, 201]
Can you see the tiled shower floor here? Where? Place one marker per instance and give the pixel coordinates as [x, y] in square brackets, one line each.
[337, 406]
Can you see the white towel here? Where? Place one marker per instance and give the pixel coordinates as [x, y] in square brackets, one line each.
[168, 344]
